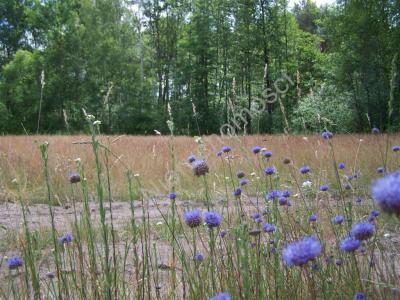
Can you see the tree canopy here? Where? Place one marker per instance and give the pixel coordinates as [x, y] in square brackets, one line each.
[209, 60]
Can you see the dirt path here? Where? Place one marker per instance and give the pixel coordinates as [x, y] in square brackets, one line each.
[39, 215]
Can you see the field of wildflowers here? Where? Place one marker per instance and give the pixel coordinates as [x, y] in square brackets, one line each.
[240, 219]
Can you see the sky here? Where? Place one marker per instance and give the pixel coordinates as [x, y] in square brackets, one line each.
[319, 2]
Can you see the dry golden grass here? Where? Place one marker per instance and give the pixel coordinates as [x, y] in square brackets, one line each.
[149, 157]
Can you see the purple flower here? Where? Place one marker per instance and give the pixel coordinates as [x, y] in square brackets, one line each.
[282, 201]
[226, 149]
[380, 170]
[338, 262]
[373, 215]
[267, 154]
[375, 130]
[191, 158]
[74, 177]
[324, 188]
[286, 194]
[269, 170]
[219, 153]
[313, 218]
[237, 192]
[349, 244]
[240, 174]
[256, 149]
[172, 196]
[14, 262]
[341, 166]
[304, 169]
[362, 231]
[327, 135]
[199, 257]
[212, 219]
[386, 193]
[193, 218]
[359, 296]
[223, 233]
[243, 182]
[66, 238]
[301, 252]
[359, 199]
[221, 296]
[337, 219]
[396, 148]
[269, 228]
[199, 167]
[273, 195]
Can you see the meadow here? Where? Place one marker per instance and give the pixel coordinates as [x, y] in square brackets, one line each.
[165, 217]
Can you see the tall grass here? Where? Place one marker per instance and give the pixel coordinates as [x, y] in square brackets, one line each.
[238, 244]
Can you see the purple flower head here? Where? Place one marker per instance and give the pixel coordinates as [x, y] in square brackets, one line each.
[74, 177]
[315, 267]
[313, 218]
[269, 228]
[219, 153]
[256, 149]
[327, 135]
[396, 148]
[212, 219]
[240, 174]
[386, 193]
[324, 188]
[338, 262]
[243, 182]
[267, 154]
[301, 252]
[375, 130]
[269, 170]
[199, 257]
[237, 192]
[258, 220]
[256, 216]
[221, 296]
[273, 195]
[304, 169]
[362, 231]
[289, 203]
[341, 166]
[359, 296]
[337, 219]
[66, 238]
[286, 194]
[223, 233]
[199, 167]
[193, 218]
[191, 158]
[349, 244]
[358, 199]
[375, 213]
[380, 170]
[349, 177]
[282, 201]
[14, 262]
[172, 196]
[226, 149]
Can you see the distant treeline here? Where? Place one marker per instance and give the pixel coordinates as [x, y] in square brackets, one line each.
[126, 62]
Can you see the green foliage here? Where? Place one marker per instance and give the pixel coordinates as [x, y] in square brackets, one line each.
[126, 63]
[326, 108]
